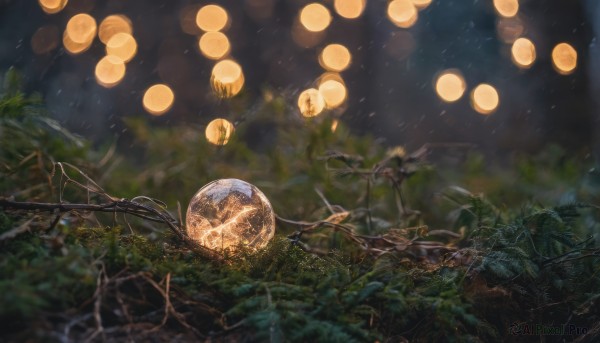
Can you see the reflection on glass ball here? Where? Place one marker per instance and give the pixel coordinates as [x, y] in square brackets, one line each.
[228, 212]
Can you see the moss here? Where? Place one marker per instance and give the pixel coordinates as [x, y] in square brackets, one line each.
[515, 260]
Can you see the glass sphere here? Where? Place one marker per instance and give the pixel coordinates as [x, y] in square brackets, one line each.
[227, 213]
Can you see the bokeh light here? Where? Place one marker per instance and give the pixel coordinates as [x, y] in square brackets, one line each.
[315, 17]
[334, 93]
[564, 58]
[214, 45]
[52, 6]
[73, 47]
[421, 4]
[113, 24]
[450, 85]
[44, 40]
[311, 103]
[81, 28]
[110, 70]
[158, 99]
[485, 99]
[122, 45]
[227, 78]
[523, 52]
[507, 8]
[335, 57]
[349, 9]
[402, 13]
[212, 18]
[219, 131]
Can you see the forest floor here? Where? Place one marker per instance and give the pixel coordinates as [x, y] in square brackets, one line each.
[371, 244]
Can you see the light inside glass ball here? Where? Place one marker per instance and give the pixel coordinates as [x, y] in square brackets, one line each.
[227, 213]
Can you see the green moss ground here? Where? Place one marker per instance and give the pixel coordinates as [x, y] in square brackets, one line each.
[521, 252]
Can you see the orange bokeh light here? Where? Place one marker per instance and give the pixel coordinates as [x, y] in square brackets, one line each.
[113, 24]
[212, 18]
[110, 70]
[214, 45]
[450, 85]
[564, 58]
[315, 17]
[158, 99]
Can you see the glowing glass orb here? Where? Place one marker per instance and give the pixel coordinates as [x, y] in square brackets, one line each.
[485, 99]
[335, 57]
[523, 52]
[75, 48]
[214, 45]
[507, 8]
[450, 85]
[52, 6]
[315, 17]
[113, 24]
[110, 70]
[212, 18]
[311, 102]
[227, 213]
[402, 13]
[564, 58]
[81, 28]
[349, 9]
[122, 45]
[421, 4]
[333, 92]
[227, 78]
[158, 99]
[218, 131]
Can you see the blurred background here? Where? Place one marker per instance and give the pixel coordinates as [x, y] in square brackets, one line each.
[505, 75]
